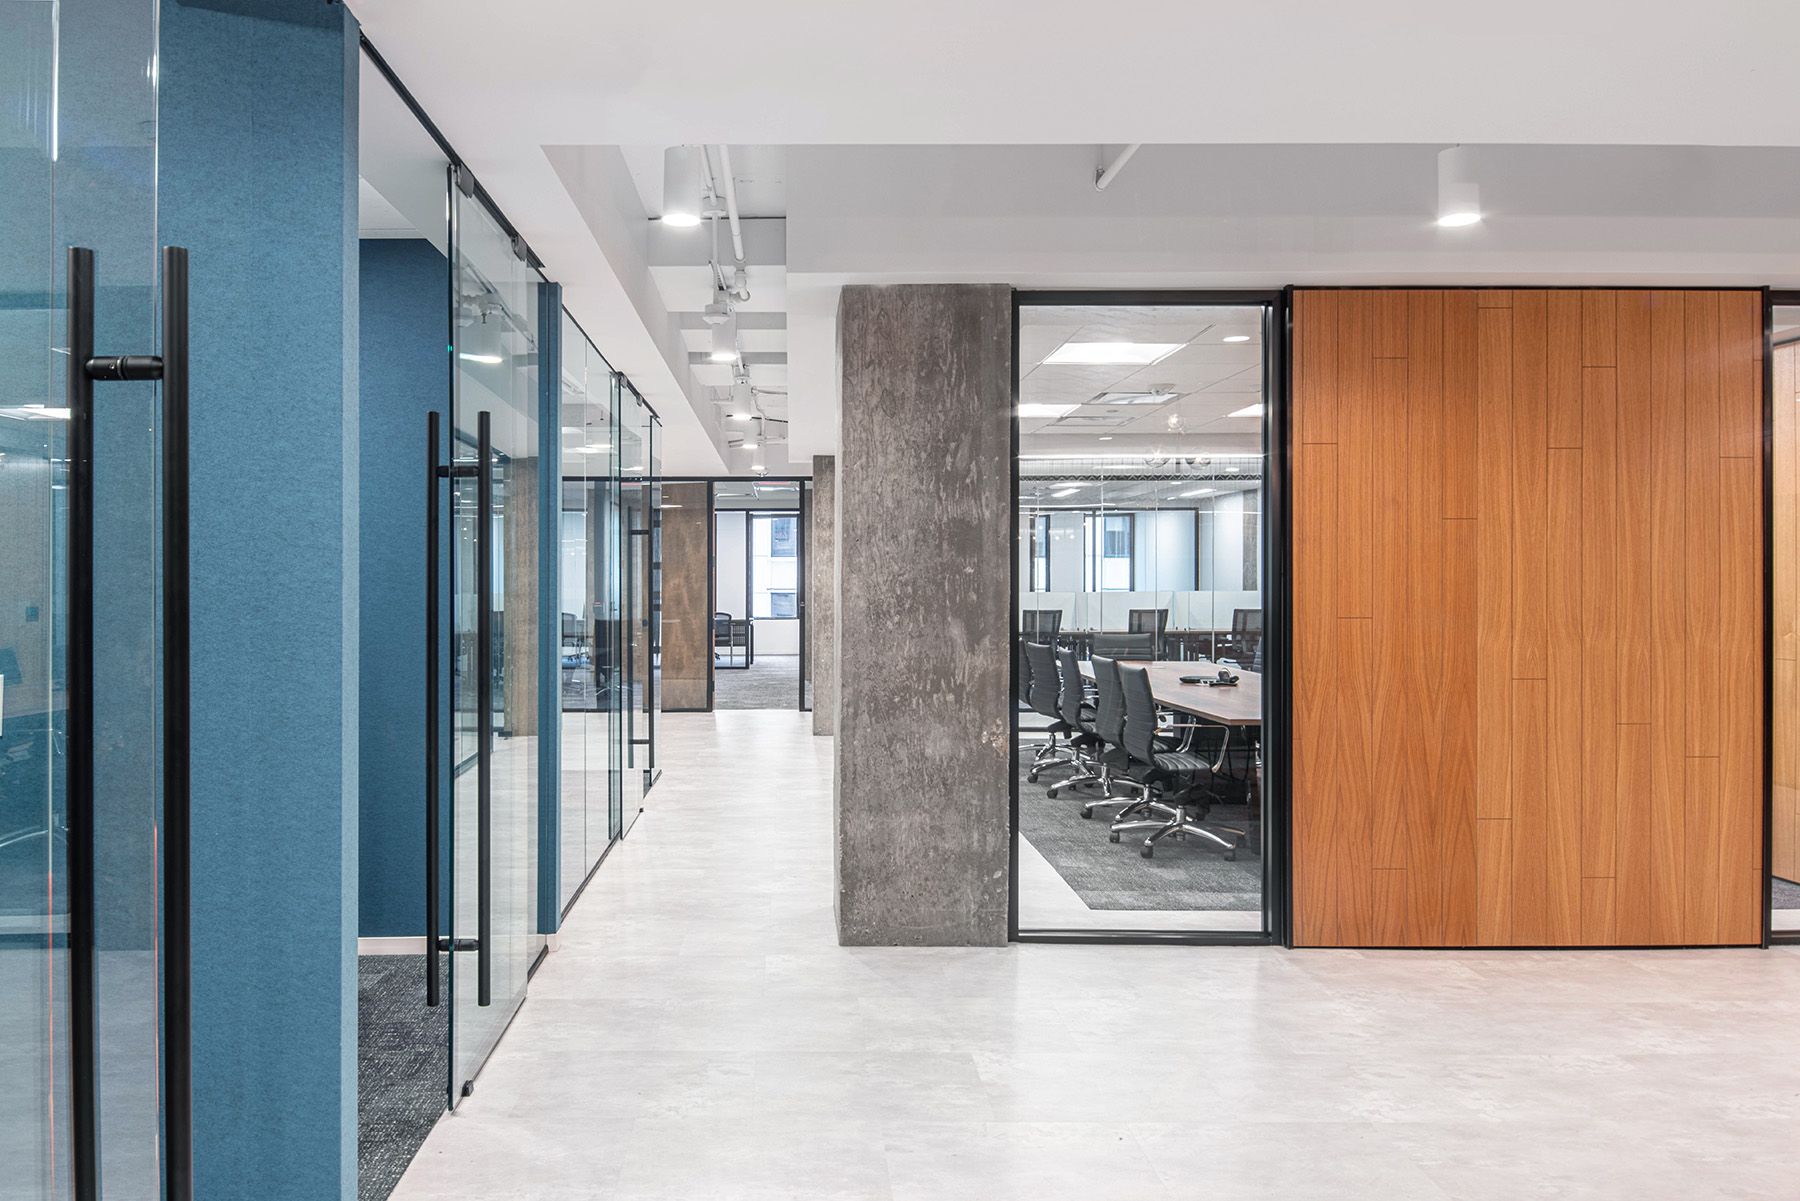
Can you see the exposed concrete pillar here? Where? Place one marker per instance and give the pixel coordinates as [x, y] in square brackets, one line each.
[924, 589]
[821, 595]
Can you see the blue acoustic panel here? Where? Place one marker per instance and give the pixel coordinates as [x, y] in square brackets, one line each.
[258, 180]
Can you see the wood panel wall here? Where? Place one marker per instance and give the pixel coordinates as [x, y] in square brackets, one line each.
[1527, 595]
[1784, 834]
[686, 598]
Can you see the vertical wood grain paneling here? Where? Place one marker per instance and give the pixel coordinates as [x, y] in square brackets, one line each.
[1494, 518]
[1456, 792]
[1527, 535]
[1563, 368]
[1668, 611]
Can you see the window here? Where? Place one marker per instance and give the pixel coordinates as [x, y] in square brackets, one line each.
[1109, 539]
[1040, 553]
[774, 565]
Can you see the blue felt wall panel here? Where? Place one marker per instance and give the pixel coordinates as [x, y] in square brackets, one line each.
[405, 375]
[258, 179]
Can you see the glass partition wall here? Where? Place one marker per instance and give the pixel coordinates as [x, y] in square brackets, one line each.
[83, 883]
[1142, 577]
[1784, 619]
[639, 623]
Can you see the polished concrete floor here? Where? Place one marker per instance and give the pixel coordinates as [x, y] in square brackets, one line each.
[700, 1035]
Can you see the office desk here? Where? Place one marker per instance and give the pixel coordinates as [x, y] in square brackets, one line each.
[1240, 707]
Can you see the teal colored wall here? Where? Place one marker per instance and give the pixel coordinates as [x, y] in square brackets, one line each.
[258, 180]
[405, 375]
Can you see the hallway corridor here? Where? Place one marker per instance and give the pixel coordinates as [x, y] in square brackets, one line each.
[701, 1036]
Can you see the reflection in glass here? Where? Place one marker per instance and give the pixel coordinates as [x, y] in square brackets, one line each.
[1141, 541]
[1784, 831]
[589, 590]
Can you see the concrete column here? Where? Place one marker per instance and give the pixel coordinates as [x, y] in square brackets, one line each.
[925, 585]
[821, 595]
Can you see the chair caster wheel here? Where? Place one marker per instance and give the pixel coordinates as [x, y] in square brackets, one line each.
[1149, 852]
[1113, 837]
[1031, 777]
[1087, 815]
[1231, 856]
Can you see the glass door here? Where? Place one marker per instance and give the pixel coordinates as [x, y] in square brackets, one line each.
[640, 502]
[496, 440]
[82, 948]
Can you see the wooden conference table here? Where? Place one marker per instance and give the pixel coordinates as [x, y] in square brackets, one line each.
[1239, 706]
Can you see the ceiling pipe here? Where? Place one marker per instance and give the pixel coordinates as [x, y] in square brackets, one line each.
[1106, 174]
[731, 207]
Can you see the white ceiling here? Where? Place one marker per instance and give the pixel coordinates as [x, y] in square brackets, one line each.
[948, 71]
[1205, 380]
[948, 141]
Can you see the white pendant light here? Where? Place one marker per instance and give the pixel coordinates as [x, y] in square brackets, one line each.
[681, 187]
[743, 400]
[724, 340]
[1459, 199]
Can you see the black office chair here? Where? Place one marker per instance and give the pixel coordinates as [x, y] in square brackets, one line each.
[1041, 625]
[1109, 728]
[1154, 622]
[1140, 646]
[1245, 640]
[1078, 715]
[1173, 777]
[1044, 696]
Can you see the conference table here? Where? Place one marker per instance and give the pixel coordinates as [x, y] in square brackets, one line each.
[1239, 706]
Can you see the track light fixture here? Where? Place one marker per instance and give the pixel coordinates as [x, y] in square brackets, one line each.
[681, 187]
[1459, 199]
[724, 340]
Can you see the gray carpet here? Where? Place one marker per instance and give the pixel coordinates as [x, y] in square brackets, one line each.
[1784, 894]
[402, 1068]
[772, 682]
[1184, 874]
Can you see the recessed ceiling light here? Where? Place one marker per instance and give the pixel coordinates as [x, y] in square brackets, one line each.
[1235, 470]
[1236, 338]
[1062, 492]
[1044, 410]
[742, 416]
[1459, 220]
[489, 359]
[1255, 410]
[1197, 492]
[1110, 354]
[1106, 437]
[595, 448]
[749, 446]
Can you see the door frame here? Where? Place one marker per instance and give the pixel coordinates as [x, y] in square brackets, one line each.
[1276, 743]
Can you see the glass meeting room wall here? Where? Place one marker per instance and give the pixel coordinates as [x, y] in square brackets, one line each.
[1142, 546]
[588, 582]
[1784, 619]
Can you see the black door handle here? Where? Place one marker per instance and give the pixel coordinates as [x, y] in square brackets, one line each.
[85, 368]
[484, 722]
[432, 853]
